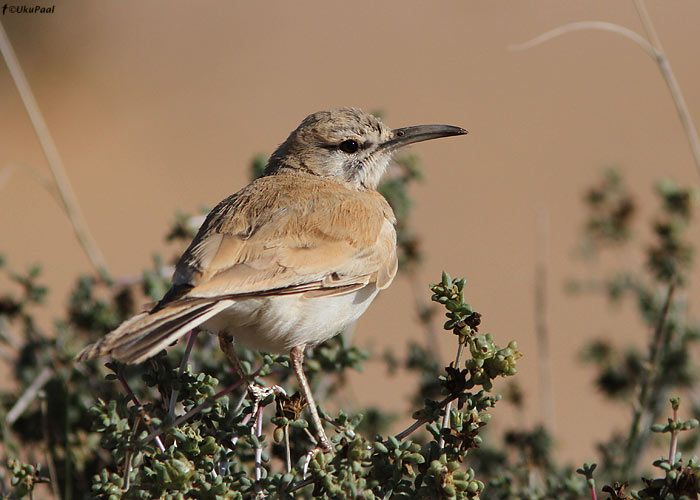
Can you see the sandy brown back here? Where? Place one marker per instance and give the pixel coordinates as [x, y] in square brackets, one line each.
[291, 230]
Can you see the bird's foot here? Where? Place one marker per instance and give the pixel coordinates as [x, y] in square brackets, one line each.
[312, 453]
[325, 444]
[259, 392]
[324, 447]
[307, 460]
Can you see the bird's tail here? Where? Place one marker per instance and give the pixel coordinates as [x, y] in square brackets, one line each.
[146, 334]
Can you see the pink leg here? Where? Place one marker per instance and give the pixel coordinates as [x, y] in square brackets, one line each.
[297, 355]
[226, 344]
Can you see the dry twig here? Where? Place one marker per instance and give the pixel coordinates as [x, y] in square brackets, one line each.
[654, 49]
[63, 185]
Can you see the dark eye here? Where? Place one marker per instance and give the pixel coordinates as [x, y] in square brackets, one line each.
[349, 146]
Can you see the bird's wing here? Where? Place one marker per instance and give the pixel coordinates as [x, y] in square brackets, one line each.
[281, 235]
[311, 236]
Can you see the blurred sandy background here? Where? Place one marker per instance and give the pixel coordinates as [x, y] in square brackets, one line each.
[158, 106]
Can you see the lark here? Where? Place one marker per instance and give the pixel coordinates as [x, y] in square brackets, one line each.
[294, 257]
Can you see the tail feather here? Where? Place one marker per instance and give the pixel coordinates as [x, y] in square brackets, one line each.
[155, 340]
[146, 334]
[136, 327]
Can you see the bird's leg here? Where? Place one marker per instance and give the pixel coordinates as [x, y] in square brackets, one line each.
[226, 344]
[256, 391]
[297, 356]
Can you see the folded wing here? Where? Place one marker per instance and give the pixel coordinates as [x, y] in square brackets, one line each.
[274, 237]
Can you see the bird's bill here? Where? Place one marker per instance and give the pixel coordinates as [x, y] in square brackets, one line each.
[408, 135]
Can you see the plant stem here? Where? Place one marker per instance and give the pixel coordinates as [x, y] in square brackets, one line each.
[448, 408]
[173, 396]
[634, 443]
[29, 395]
[287, 450]
[49, 453]
[63, 185]
[654, 49]
[136, 401]
[418, 423]
[258, 449]
[341, 428]
[128, 465]
[585, 26]
[207, 403]
[674, 440]
[666, 71]
[244, 421]
[300, 484]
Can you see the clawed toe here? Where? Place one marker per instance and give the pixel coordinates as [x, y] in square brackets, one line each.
[259, 392]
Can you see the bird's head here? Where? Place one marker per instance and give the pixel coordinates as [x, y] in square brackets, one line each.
[349, 145]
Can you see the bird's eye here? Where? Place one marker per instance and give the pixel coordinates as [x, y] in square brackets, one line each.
[349, 146]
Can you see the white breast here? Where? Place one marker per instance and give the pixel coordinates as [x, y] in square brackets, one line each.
[276, 324]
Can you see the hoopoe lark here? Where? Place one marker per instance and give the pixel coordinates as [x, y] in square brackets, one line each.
[291, 259]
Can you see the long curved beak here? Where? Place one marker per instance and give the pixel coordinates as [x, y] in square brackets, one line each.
[408, 135]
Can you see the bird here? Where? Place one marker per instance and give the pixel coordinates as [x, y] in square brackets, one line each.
[293, 258]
